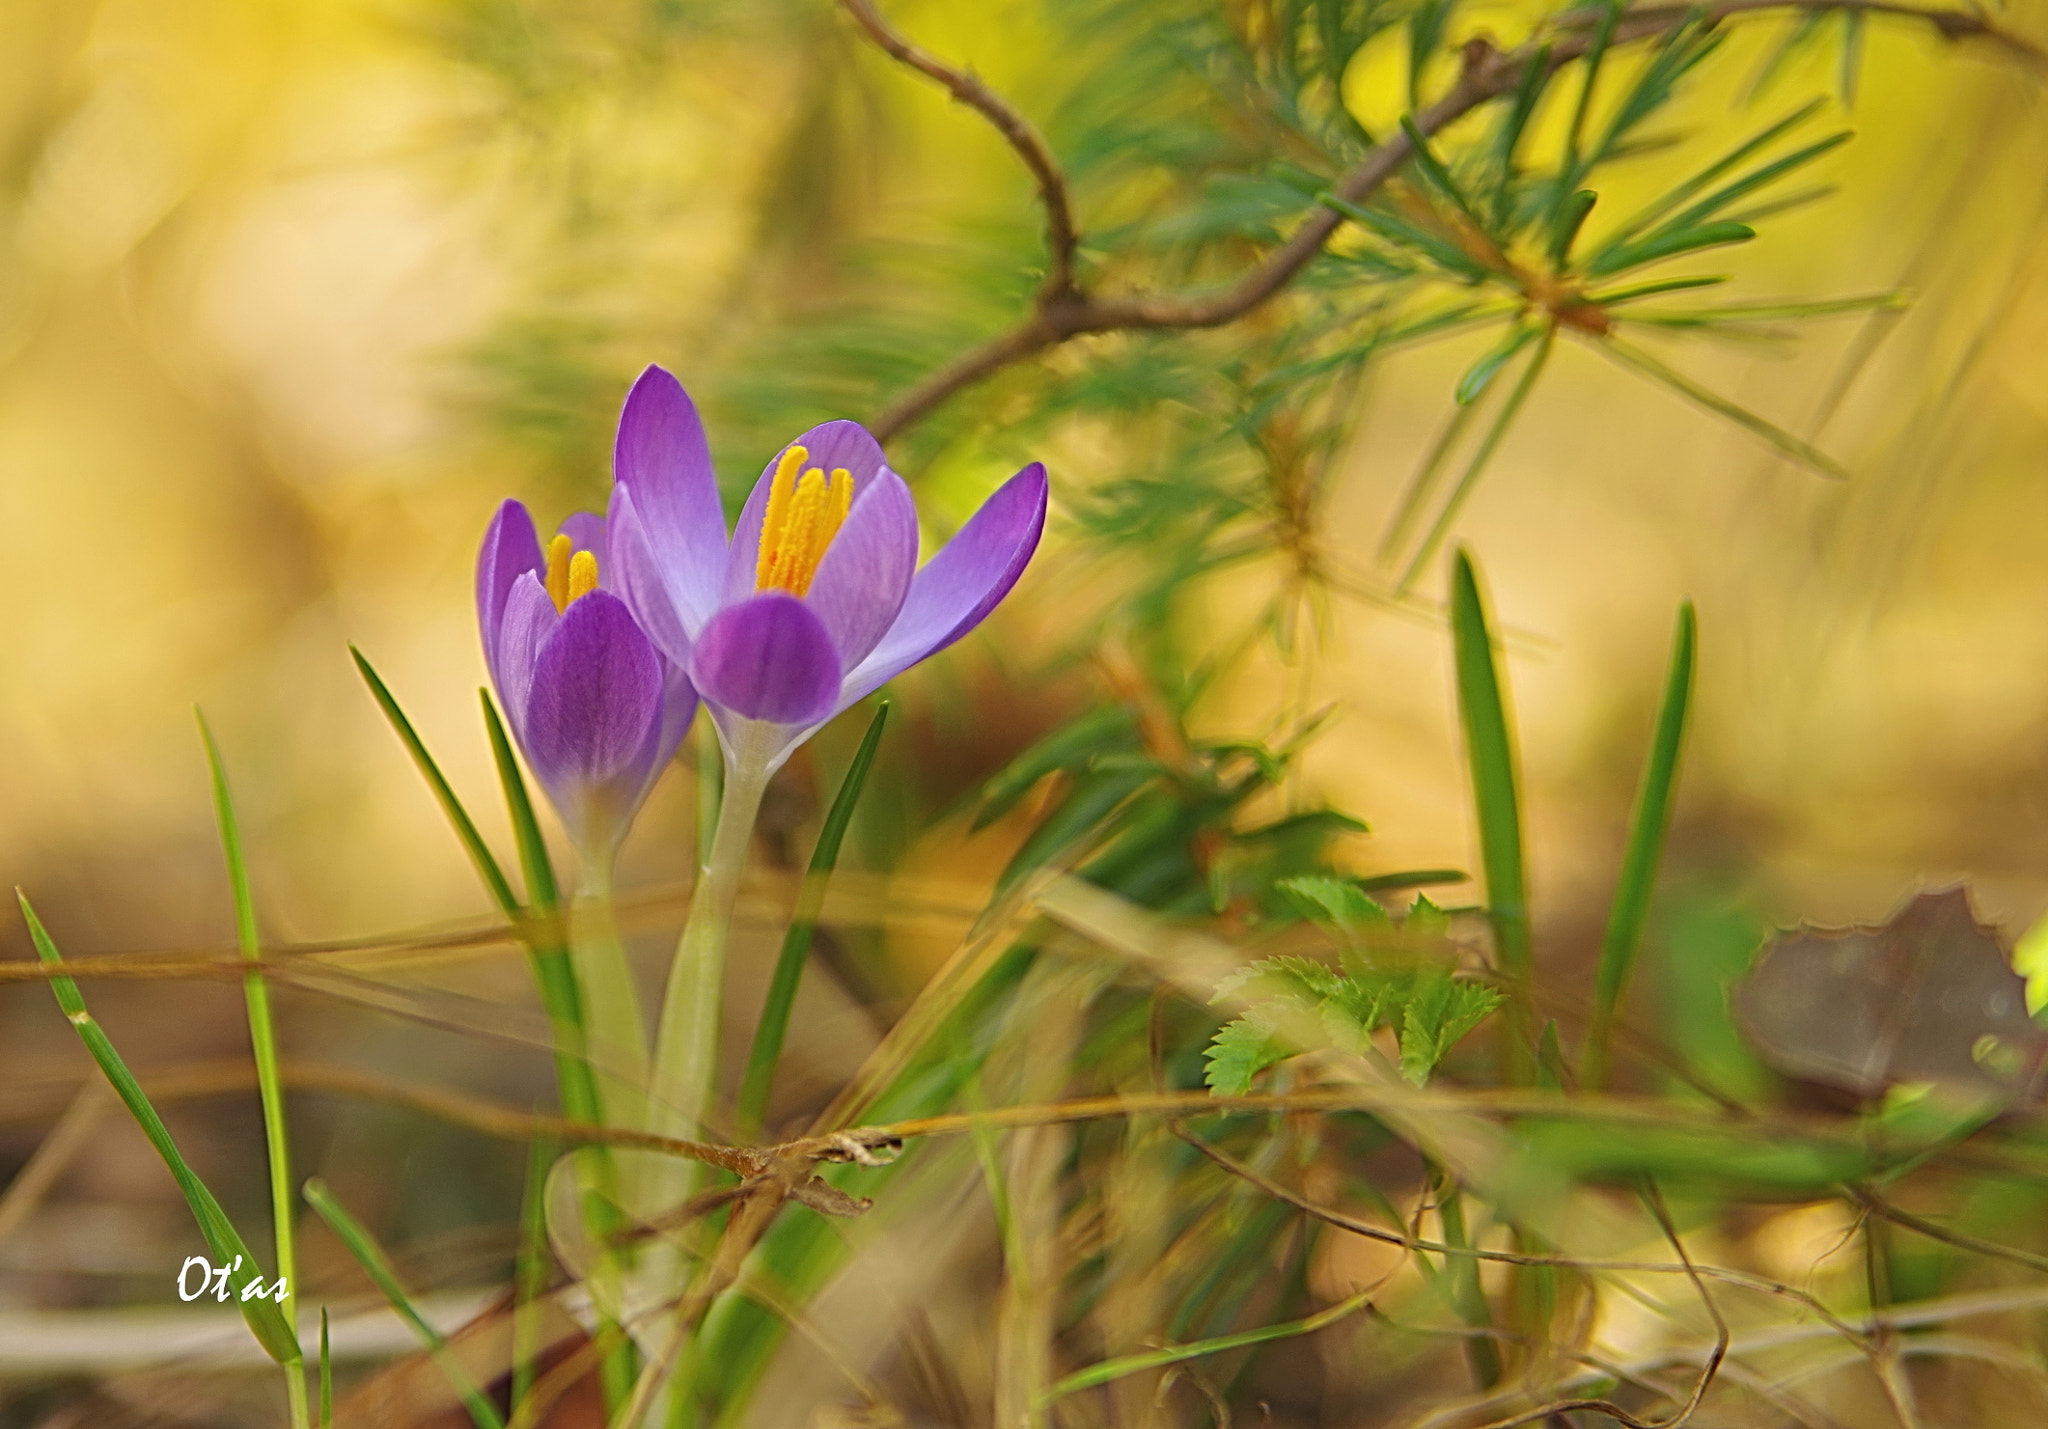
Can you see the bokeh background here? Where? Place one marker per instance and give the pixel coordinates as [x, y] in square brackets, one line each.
[292, 292]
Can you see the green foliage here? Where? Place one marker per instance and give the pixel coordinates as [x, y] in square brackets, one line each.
[1387, 980]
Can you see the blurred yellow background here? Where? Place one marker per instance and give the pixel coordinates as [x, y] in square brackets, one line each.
[260, 261]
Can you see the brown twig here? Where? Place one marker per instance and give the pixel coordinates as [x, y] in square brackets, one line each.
[1064, 309]
[1061, 237]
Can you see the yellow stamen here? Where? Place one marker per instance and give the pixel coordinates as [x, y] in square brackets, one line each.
[572, 574]
[803, 516]
[557, 580]
[582, 576]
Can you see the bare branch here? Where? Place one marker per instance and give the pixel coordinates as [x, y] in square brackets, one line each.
[1061, 237]
[1060, 314]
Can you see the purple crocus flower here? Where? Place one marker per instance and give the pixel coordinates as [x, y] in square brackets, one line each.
[817, 599]
[597, 709]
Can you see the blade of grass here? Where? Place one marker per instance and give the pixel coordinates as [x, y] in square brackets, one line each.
[1631, 909]
[1476, 467]
[759, 1079]
[1468, 1296]
[1490, 750]
[562, 995]
[1424, 482]
[1117, 1368]
[377, 1265]
[552, 968]
[530, 1268]
[263, 1043]
[465, 827]
[1805, 453]
[266, 1320]
[1679, 193]
[326, 1375]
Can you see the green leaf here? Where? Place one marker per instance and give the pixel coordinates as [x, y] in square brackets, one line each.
[1438, 174]
[1438, 1014]
[267, 1321]
[1289, 976]
[1425, 919]
[1805, 453]
[1630, 913]
[465, 828]
[1240, 1051]
[1439, 250]
[1481, 457]
[1336, 903]
[769, 1033]
[262, 1043]
[1639, 291]
[1570, 218]
[1662, 245]
[1111, 727]
[1749, 183]
[534, 863]
[1678, 194]
[1490, 754]
[1479, 376]
[377, 1265]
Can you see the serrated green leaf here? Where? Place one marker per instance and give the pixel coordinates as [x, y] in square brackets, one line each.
[1290, 976]
[1439, 1012]
[1334, 902]
[1426, 919]
[1239, 1052]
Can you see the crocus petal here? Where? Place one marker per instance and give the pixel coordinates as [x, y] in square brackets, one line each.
[662, 458]
[593, 714]
[528, 621]
[510, 550]
[767, 659]
[961, 584]
[861, 584]
[636, 574]
[586, 533]
[833, 444]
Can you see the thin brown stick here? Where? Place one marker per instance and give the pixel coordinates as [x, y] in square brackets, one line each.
[1878, 1206]
[1409, 1240]
[1061, 237]
[1062, 313]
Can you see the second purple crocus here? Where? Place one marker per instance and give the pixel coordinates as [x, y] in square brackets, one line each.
[596, 707]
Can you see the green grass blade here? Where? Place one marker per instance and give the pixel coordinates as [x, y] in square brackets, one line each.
[796, 943]
[1735, 157]
[1489, 747]
[1668, 244]
[272, 1328]
[1571, 216]
[377, 1265]
[1479, 376]
[534, 864]
[1852, 55]
[1481, 458]
[262, 1042]
[1638, 291]
[1423, 483]
[1438, 173]
[1109, 1370]
[1803, 452]
[1508, 138]
[465, 827]
[1631, 909]
[530, 1268]
[326, 1375]
[1569, 169]
[1468, 1296]
[553, 968]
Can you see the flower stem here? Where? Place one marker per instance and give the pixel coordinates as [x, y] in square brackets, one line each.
[686, 1048]
[616, 1038]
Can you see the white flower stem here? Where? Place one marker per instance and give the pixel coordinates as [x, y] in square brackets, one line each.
[686, 1047]
[615, 1038]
